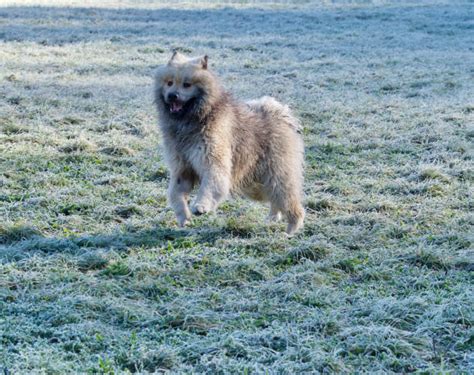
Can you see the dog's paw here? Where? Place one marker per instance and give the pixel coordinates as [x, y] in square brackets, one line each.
[183, 221]
[183, 218]
[292, 228]
[200, 209]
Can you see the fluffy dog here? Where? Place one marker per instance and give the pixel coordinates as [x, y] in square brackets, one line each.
[252, 148]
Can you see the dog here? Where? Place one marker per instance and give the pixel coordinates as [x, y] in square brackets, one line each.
[251, 148]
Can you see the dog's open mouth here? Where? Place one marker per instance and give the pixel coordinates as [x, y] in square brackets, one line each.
[176, 106]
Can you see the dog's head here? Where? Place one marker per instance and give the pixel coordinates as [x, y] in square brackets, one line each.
[185, 87]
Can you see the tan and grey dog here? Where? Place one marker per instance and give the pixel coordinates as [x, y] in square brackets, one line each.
[252, 148]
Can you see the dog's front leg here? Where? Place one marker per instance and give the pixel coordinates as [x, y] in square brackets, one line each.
[180, 186]
[215, 186]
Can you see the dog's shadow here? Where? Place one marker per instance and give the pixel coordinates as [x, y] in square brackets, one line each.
[118, 241]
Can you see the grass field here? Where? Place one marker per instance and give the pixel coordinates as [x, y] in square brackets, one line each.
[96, 277]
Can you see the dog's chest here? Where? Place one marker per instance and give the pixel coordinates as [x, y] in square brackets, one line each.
[195, 156]
[191, 147]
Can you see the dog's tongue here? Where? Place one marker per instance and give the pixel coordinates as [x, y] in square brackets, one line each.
[176, 107]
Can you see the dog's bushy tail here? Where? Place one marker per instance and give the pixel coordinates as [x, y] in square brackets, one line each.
[275, 109]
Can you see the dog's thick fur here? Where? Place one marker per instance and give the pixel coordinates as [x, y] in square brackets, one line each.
[253, 148]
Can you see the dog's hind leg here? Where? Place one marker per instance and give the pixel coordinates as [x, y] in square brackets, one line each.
[294, 214]
[293, 210]
[285, 196]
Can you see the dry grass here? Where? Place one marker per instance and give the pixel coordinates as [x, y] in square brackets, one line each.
[96, 277]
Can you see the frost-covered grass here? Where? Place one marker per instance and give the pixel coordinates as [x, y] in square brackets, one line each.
[94, 274]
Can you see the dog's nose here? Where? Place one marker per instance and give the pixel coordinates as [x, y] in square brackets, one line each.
[172, 96]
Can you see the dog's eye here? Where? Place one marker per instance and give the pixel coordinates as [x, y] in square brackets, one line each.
[170, 83]
[186, 85]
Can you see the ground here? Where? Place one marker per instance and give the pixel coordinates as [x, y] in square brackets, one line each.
[95, 275]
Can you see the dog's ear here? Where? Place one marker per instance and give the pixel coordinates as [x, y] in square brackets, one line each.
[199, 62]
[204, 61]
[176, 57]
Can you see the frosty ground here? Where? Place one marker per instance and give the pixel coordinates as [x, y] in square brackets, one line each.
[95, 276]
